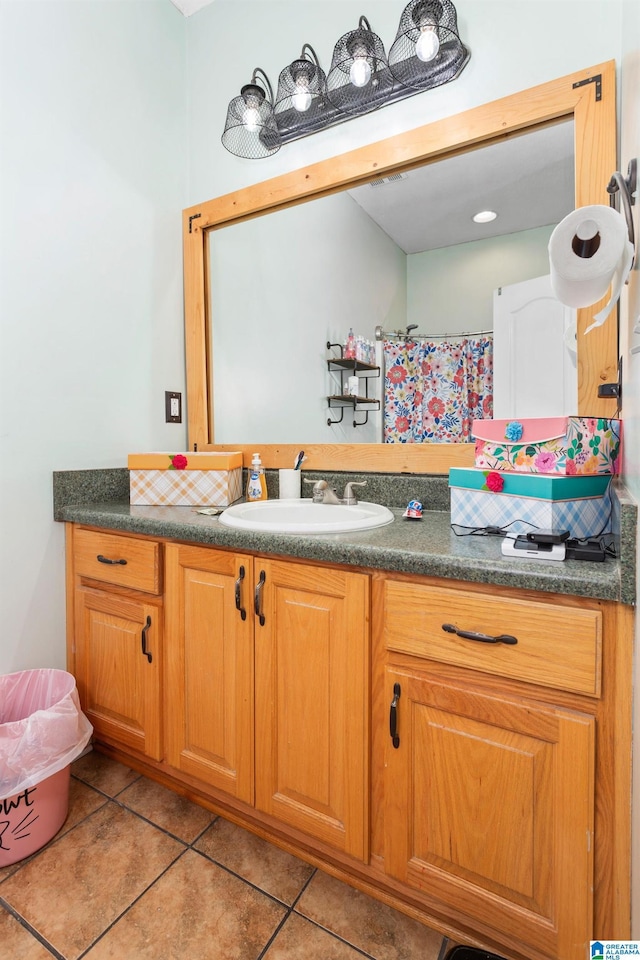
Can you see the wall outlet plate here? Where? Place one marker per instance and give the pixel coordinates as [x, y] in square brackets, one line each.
[173, 407]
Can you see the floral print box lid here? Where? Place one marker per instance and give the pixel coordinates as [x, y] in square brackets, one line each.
[568, 446]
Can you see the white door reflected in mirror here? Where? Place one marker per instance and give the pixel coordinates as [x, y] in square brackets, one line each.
[535, 371]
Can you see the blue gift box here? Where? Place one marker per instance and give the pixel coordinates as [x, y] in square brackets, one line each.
[526, 501]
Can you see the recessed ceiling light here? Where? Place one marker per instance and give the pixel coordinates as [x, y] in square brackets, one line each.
[485, 216]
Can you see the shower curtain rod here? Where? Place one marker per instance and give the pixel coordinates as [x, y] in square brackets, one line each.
[383, 335]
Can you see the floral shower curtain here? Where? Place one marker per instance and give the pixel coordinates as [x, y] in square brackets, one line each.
[434, 389]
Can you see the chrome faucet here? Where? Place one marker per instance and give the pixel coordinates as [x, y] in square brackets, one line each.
[323, 493]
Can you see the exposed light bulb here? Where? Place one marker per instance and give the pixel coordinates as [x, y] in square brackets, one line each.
[360, 72]
[427, 44]
[251, 119]
[301, 99]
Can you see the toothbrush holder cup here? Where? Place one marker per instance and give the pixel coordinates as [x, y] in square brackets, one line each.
[289, 484]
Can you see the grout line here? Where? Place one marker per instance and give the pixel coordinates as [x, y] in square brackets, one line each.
[336, 936]
[444, 947]
[87, 783]
[152, 823]
[303, 888]
[32, 930]
[273, 936]
[131, 905]
[289, 908]
[238, 876]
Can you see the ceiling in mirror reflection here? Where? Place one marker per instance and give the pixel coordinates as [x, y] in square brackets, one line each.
[527, 179]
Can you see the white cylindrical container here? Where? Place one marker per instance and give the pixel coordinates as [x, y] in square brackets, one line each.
[289, 484]
[353, 386]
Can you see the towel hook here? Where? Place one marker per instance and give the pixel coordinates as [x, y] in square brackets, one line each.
[626, 187]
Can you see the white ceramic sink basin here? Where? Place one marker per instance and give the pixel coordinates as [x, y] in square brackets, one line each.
[305, 516]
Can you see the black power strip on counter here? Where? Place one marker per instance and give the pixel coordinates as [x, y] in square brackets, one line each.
[584, 550]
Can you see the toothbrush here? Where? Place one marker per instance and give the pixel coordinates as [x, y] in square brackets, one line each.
[298, 460]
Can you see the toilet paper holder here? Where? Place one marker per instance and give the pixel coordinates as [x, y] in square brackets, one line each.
[626, 187]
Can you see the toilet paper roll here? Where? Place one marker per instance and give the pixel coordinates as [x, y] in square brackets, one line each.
[588, 251]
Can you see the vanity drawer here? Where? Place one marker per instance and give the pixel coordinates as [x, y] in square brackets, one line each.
[557, 646]
[126, 561]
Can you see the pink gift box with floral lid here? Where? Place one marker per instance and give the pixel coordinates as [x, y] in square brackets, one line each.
[568, 446]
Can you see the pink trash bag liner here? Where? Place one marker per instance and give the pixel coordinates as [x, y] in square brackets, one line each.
[42, 729]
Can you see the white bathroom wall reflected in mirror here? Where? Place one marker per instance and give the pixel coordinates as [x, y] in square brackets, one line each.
[402, 251]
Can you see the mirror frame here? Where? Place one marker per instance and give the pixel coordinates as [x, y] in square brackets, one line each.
[588, 97]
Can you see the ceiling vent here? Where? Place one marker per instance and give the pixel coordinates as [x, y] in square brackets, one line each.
[394, 178]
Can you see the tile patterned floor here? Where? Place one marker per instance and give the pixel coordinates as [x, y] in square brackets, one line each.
[139, 873]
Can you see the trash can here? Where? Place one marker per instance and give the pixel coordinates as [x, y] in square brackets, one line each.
[42, 729]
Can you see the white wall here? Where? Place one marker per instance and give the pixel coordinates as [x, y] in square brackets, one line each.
[451, 290]
[93, 132]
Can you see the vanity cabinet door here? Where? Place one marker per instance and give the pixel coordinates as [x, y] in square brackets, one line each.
[119, 668]
[488, 808]
[312, 661]
[209, 667]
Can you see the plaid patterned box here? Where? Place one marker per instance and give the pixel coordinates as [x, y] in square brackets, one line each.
[579, 504]
[183, 480]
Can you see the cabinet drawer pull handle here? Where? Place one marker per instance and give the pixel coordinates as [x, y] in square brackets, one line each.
[102, 559]
[145, 630]
[481, 637]
[258, 597]
[243, 612]
[393, 716]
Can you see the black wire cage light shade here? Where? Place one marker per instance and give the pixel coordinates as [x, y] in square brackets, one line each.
[359, 78]
[427, 50]
[250, 130]
[302, 86]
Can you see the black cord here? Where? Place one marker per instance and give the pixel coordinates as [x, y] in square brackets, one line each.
[609, 548]
[488, 531]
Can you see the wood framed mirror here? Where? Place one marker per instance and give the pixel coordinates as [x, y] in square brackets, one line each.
[587, 97]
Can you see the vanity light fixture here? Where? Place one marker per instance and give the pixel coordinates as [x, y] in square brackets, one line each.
[485, 216]
[426, 52]
[251, 130]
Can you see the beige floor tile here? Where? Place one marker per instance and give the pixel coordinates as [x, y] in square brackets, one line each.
[83, 801]
[103, 773]
[16, 943]
[301, 940]
[167, 809]
[7, 871]
[77, 887]
[196, 911]
[267, 867]
[369, 925]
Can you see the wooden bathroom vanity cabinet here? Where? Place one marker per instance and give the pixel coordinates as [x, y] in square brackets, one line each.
[359, 718]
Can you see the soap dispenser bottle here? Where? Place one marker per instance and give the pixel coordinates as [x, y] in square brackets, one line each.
[257, 483]
[350, 346]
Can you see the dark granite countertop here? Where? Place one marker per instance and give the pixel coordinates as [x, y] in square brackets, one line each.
[428, 546]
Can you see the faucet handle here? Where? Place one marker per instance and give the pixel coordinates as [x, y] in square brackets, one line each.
[349, 498]
[319, 486]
